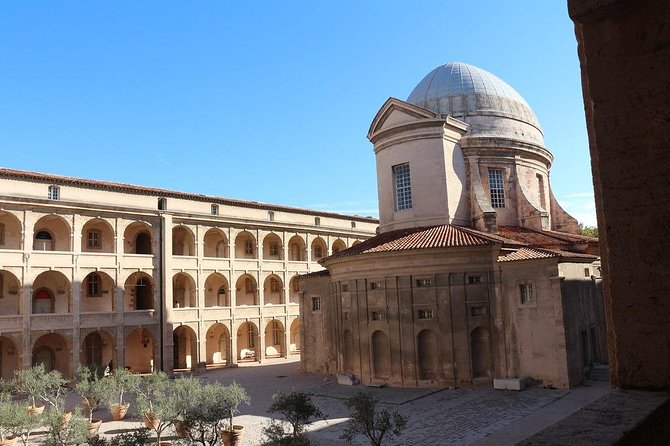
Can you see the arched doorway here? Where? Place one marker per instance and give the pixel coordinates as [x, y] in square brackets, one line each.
[9, 358]
[381, 355]
[247, 341]
[185, 348]
[427, 355]
[480, 349]
[139, 351]
[46, 356]
[217, 344]
[97, 349]
[295, 336]
[143, 243]
[52, 350]
[274, 339]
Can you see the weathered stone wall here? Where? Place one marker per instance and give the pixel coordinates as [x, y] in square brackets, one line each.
[624, 50]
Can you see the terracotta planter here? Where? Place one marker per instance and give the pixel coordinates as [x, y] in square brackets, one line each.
[9, 441]
[151, 421]
[35, 410]
[180, 430]
[89, 405]
[67, 416]
[234, 437]
[119, 411]
[94, 427]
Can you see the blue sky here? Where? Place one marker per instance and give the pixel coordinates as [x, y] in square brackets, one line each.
[265, 101]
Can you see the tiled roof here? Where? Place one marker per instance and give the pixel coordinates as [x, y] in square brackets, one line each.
[543, 239]
[142, 190]
[527, 253]
[443, 236]
[322, 273]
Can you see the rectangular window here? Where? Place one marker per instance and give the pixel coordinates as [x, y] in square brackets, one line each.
[540, 190]
[346, 315]
[345, 287]
[587, 272]
[274, 286]
[472, 280]
[317, 221]
[403, 187]
[318, 252]
[425, 314]
[271, 216]
[93, 240]
[162, 204]
[353, 225]
[478, 311]
[316, 304]
[275, 334]
[422, 283]
[2, 233]
[377, 316]
[274, 249]
[215, 209]
[526, 293]
[497, 188]
[248, 247]
[54, 193]
[376, 285]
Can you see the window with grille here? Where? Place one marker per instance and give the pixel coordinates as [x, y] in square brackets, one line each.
[215, 209]
[248, 285]
[497, 188]
[318, 252]
[162, 204]
[274, 285]
[316, 303]
[403, 187]
[421, 283]
[274, 248]
[271, 216]
[526, 293]
[377, 316]
[478, 311]
[317, 221]
[248, 247]
[93, 285]
[472, 280]
[425, 314]
[275, 333]
[54, 193]
[93, 239]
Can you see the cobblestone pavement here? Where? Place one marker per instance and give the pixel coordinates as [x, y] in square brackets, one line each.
[479, 416]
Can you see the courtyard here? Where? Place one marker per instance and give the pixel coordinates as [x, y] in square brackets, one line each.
[466, 416]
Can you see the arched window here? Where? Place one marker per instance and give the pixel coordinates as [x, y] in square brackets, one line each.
[43, 241]
[93, 285]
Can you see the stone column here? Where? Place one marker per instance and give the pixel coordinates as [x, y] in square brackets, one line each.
[624, 51]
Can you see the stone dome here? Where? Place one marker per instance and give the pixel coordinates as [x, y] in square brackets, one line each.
[466, 92]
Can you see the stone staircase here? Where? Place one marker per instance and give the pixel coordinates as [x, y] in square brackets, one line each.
[600, 372]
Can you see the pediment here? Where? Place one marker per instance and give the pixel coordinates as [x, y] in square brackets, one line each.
[395, 112]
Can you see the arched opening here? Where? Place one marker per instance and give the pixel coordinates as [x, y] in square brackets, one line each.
[10, 231]
[97, 349]
[215, 244]
[296, 249]
[139, 351]
[319, 248]
[52, 233]
[272, 247]
[52, 350]
[9, 294]
[9, 358]
[247, 341]
[381, 355]
[348, 354]
[246, 291]
[97, 293]
[185, 348]
[273, 290]
[139, 292]
[97, 235]
[217, 293]
[138, 239]
[480, 349]
[274, 339]
[52, 293]
[293, 289]
[338, 245]
[183, 241]
[245, 246]
[427, 355]
[183, 291]
[294, 336]
[217, 344]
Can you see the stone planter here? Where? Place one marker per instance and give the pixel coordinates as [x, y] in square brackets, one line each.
[234, 437]
[119, 411]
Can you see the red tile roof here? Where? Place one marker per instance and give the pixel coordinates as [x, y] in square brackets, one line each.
[322, 273]
[527, 253]
[142, 190]
[443, 236]
[544, 239]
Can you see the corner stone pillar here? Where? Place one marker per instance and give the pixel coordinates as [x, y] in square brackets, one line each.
[624, 51]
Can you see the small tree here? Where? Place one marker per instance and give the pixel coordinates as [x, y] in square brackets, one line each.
[116, 385]
[158, 401]
[232, 396]
[15, 420]
[60, 433]
[90, 387]
[366, 420]
[297, 409]
[202, 417]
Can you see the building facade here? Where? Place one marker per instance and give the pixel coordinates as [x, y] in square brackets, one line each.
[93, 272]
[477, 273]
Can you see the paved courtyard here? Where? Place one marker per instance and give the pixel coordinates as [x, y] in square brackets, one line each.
[475, 416]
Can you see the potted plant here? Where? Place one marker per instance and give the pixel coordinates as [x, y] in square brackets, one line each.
[114, 387]
[232, 396]
[297, 410]
[30, 382]
[201, 416]
[10, 416]
[366, 419]
[188, 394]
[159, 403]
[90, 388]
[74, 432]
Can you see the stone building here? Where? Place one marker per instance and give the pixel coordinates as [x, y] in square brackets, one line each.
[477, 272]
[92, 272]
